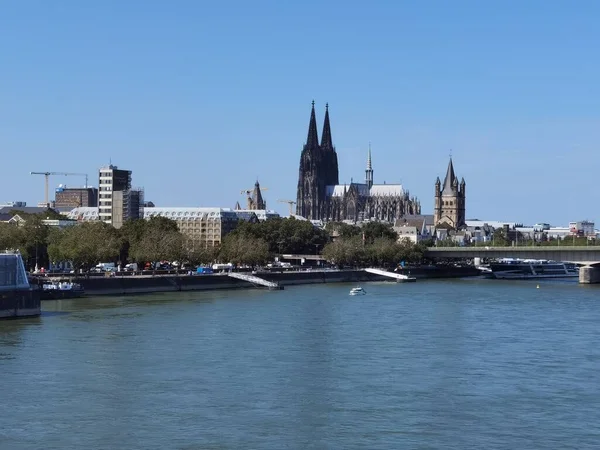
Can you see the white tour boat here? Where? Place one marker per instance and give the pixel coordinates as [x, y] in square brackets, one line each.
[357, 291]
[523, 269]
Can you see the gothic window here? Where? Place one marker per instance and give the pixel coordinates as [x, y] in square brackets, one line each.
[306, 165]
[351, 211]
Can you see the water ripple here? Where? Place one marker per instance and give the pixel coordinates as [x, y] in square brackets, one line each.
[452, 365]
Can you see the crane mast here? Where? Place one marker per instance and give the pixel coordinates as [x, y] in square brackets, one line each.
[47, 177]
[290, 203]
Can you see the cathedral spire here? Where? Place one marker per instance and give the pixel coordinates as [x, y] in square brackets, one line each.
[326, 141]
[257, 199]
[312, 141]
[450, 179]
[369, 170]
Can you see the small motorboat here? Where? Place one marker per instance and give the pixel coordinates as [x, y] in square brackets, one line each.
[57, 290]
[357, 291]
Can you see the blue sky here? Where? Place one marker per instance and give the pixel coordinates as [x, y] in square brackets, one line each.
[201, 98]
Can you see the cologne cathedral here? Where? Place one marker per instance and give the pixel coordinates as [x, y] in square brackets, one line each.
[322, 197]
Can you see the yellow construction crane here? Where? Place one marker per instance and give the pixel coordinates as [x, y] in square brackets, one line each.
[250, 191]
[47, 175]
[289, 202]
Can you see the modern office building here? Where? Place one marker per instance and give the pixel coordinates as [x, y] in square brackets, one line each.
[127, 205]
[67, 198]
[117, 201]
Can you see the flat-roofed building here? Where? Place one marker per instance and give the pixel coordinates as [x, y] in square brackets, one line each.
[261, 214]
[117, 200]
[84, 214]
[207, 226]
[68, 197]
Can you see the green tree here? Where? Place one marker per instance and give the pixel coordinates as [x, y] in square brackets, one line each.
[243, 250]
[409, 252]
[35, 239]
[382, 252]
[196, 253]
[157, 239]
[56, 252]
[342, 230]
[500, 238]
[157, 245]
[11, 237]
[87, 244]
[346, 252]
[131, 234]
[374, 230]
[285, 235]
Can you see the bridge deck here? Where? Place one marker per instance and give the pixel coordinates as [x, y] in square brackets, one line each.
[584, 255]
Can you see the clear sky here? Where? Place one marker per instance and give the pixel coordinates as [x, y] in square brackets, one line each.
[201, 98]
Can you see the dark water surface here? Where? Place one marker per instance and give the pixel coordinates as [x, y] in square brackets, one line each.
[429, 365]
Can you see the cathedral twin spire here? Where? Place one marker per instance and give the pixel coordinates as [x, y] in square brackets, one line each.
[326, 141]
[318, 181]
[318, 169]
[312, 141]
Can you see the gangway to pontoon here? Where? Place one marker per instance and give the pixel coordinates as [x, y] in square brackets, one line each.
[400, 278]
[255, 280]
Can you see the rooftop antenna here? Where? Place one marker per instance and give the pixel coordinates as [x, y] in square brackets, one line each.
[450, 153]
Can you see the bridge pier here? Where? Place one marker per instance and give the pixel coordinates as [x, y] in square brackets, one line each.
[589, 275]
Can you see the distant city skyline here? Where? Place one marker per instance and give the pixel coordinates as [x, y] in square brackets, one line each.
[200, 100]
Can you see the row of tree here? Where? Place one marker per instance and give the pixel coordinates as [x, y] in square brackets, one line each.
[374, 244]
[159, 239]
[30, 238]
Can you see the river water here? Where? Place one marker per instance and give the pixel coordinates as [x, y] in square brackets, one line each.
[479, 364]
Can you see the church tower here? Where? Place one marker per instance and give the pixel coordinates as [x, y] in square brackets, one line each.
[449, 205]
[311, 183]
[329, 153]
[369, 170]
[256, 201]
[318, 169]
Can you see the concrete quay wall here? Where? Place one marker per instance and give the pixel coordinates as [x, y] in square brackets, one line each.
[171, 283]
[120, 285]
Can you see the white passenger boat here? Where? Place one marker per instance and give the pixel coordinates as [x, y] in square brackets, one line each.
[357, 291]
[523, 269]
